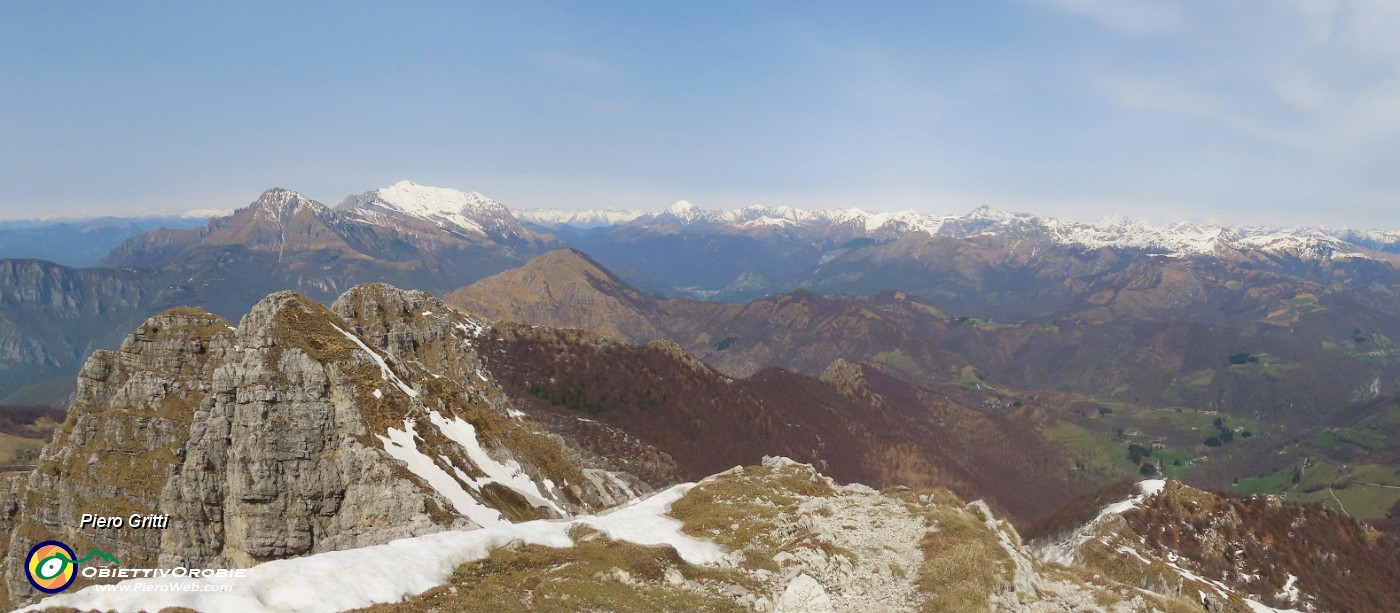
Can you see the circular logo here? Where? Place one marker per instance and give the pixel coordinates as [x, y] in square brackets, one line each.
[50, 567]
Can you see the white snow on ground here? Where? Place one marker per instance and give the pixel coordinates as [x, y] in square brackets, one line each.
[402, 446]
[508, 474]
[474, 329]
[1290, 589]
[645, 522]
[384, 370]
[1152, 487]
[1261, 608]
[1146, 489]
[1065, 550]
[355, 578]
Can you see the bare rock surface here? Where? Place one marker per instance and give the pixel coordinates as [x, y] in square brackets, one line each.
[303, 430]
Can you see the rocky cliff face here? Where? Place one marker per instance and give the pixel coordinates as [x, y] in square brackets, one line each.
[51, 316]
[302, 430]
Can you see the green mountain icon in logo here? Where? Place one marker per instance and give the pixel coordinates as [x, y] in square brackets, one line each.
[109, 558]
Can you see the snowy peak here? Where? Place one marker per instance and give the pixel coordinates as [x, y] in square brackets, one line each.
[1118, 232]
[450, 209]
[1306, 245]
[279, 205]
[995, 215]
[579, 219]
[686, 213]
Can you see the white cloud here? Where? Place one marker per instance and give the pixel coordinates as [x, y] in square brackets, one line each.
[1316, 76]
[1301, 90]
[1135, 17]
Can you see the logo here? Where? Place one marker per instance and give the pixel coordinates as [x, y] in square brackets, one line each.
[51, 566]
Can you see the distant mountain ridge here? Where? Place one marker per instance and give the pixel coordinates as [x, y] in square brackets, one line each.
[426, 238]
[78, 242]
[404, 228]
[1176, 239]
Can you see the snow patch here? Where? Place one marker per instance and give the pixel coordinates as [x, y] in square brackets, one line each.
[1065, 550]
[384, 370]
[1290, 590]
[645, 522]
[1151, 487]
[1257, 607]
[402, 445]
[356, 578]
[471, 327]
[508, 474]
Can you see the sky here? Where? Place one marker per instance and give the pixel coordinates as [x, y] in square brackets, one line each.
[1241, 112]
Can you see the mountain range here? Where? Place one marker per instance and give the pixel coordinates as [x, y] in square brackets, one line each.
[79, 242]
[496, 466]
[430, 238]
[1077, 341]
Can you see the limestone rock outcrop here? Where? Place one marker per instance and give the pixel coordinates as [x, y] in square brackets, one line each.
[303, 430]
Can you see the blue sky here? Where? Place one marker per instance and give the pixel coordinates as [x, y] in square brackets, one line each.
[1249, 111]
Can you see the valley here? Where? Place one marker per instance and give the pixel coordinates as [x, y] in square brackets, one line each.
[281, 398]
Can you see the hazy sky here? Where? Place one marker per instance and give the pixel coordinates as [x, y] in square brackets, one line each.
[1253, 111]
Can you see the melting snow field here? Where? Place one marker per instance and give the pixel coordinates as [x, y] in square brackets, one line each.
[354, 578]
[402, 445]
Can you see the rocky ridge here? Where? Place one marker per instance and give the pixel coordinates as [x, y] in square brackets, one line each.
[772, 538]
[798, 542]
[303, 430]
[1213, 546]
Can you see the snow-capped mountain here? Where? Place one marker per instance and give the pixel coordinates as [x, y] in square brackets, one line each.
[449, 209]
[276, 206]
[579, 219]
[1114, 232]
[685, 214]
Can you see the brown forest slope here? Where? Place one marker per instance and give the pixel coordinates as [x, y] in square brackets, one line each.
[858, 424]
[1317, 349]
